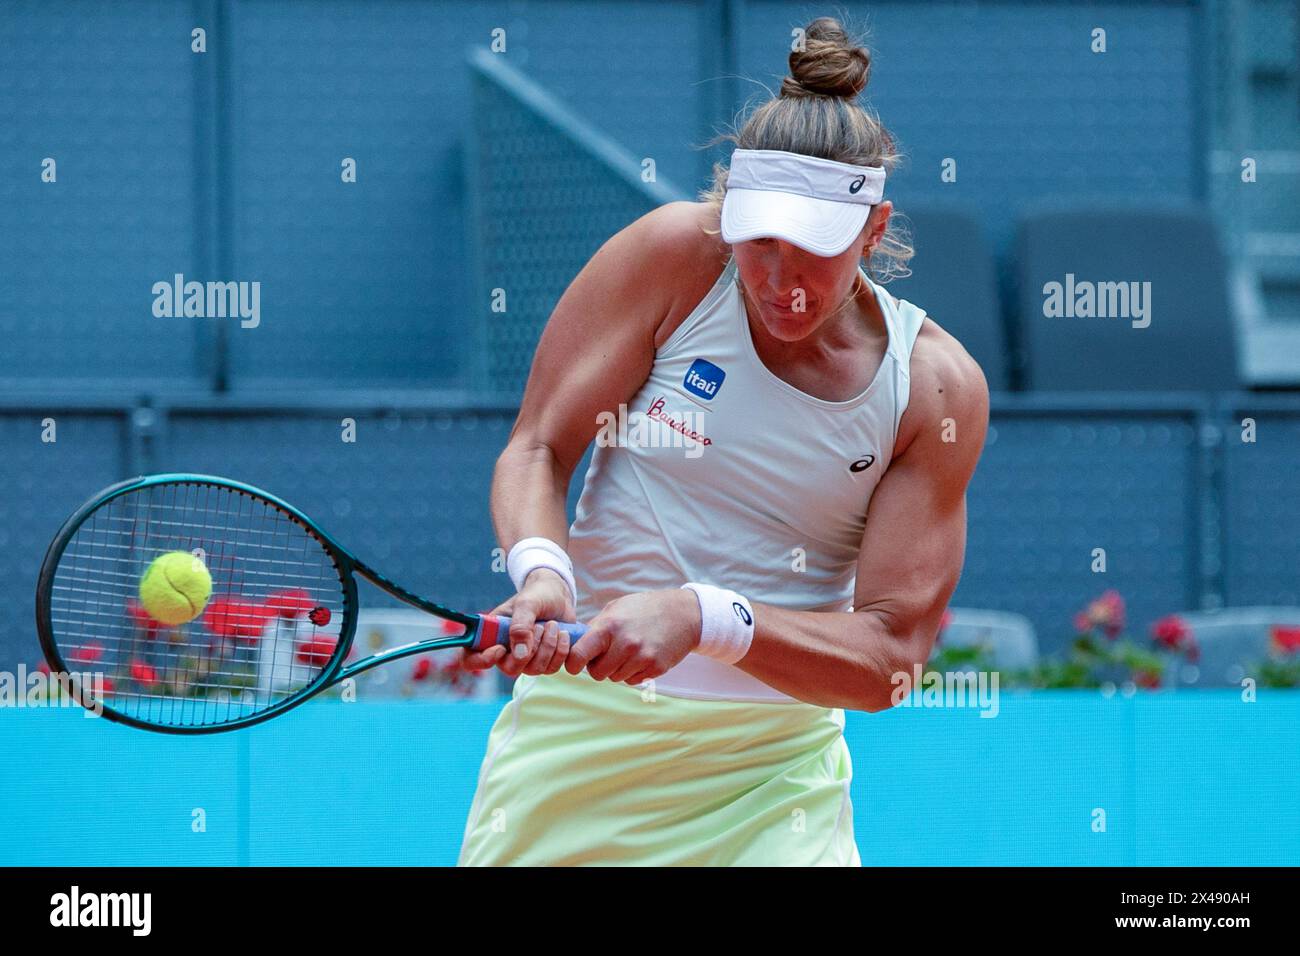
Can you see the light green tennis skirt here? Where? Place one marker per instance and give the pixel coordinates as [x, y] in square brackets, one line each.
[585, 772]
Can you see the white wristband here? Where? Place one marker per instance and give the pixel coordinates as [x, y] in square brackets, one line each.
[529, 554]
[726, 623]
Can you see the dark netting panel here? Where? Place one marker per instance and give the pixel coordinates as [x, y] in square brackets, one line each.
[545, 197]
[1052, 488]
[1260, 501]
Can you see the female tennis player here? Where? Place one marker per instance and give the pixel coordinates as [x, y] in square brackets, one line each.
[773, 537]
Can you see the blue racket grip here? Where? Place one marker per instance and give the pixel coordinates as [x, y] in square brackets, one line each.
[495, 629]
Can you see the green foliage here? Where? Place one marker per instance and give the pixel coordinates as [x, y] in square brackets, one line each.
[1098, 654]
[1277, 672]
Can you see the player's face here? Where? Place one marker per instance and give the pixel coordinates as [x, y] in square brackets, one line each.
[792, 291]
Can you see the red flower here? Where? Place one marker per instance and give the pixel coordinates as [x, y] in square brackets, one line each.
[1172, 631]
[421, 669]
[142, 619]
[1105, 613]
[1286, 639]
[88, 654]
[317, 651]
[232, 617]
[217, 617]
[1148, 679]
[143, 673]
[289, 604]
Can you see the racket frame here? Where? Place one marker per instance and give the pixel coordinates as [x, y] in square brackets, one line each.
[481, 630]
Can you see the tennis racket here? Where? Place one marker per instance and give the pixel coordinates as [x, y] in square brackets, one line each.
[275, 631]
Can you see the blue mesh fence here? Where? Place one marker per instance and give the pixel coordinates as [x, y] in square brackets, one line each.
[546, 190]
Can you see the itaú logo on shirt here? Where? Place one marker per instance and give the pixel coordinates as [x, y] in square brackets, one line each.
[704, 378]
[636, 430]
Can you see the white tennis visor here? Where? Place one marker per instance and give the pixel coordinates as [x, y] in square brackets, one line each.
[817, 204]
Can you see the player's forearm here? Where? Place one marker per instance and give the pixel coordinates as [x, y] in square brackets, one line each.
[529, 491]
[832, 659]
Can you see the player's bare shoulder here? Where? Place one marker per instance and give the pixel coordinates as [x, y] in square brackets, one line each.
[689, 254]
[948, 390]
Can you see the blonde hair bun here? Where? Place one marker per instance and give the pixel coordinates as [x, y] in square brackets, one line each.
[830, 63]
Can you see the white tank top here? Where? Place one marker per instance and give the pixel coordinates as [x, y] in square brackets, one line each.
[731, 476]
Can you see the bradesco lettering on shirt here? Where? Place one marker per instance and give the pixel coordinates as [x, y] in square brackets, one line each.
[703, 379]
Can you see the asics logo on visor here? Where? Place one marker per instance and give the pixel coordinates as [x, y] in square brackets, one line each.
[857, 184]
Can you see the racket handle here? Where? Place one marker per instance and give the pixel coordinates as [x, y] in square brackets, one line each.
[495, 629]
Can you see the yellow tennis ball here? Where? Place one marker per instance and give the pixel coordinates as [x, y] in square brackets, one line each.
[175, 588]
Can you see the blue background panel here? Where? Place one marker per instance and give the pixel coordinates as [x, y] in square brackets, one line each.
[224, 166]
[1051, 488]
[1178, 776]
[110, 98]
[481, 171]
[76, 790]
[529, 173]
[1013, 93]
[386, 784]
[661, 54]
[363, 283]
[1260, 499]
[45, 482]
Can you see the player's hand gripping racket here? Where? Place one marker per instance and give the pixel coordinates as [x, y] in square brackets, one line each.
[208, 605]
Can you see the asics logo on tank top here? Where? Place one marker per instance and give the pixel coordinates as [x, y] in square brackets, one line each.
[704, 379]
[862, 464]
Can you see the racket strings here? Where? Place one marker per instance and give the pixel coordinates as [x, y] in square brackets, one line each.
[268, 629]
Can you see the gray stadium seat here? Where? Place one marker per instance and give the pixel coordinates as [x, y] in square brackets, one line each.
[1190, 343]
[954, 279]
[1009, 637]
[1231, 640]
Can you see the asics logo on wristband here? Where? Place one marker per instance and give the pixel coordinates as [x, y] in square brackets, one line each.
[741, 612]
